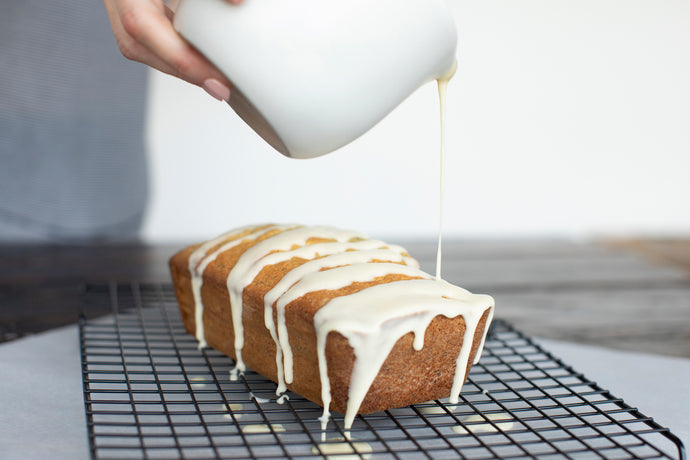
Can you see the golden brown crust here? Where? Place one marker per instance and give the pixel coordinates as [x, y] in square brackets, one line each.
[406, 377]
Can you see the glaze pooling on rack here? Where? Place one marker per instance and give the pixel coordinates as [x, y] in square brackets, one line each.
[372, 319]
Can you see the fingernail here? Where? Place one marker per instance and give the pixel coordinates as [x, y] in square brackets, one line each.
[216, 89]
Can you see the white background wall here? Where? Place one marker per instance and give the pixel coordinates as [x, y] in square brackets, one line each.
[566, 118]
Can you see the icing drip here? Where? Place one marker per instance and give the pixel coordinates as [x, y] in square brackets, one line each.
[400, 307]
[334, 278]
[247, 267]
[489, 319]
[442, 84]
[333, 254]
[199, 260]
[372, 319]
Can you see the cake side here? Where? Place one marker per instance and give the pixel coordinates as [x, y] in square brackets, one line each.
[406, 376]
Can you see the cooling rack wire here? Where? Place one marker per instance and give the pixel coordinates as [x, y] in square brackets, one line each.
[150, 393]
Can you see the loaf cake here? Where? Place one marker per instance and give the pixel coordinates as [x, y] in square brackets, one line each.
[348, 322]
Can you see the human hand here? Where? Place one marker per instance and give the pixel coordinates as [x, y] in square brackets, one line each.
[144, 32]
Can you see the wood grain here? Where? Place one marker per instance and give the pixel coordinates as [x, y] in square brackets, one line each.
[626, 294]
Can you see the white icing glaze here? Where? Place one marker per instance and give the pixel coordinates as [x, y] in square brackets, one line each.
[501, 422]
[372, 319]
[196, 274]
[400, 307]
[199, 260]
[480, 349]
[435, 410]
[248, 266]
[198, 382]
[332, 255]
[331, 279]
[442, 84]
[262, 428]
[338, 448]
[232, 407]
[259, 399]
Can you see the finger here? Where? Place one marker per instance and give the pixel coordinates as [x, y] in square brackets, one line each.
[129, 47]
[158, 44]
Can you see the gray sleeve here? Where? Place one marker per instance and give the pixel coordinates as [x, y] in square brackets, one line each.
[72, 113]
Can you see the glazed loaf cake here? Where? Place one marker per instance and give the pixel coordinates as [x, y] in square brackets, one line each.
[348, 322]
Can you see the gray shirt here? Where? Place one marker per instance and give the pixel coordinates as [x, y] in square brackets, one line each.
[72, 157]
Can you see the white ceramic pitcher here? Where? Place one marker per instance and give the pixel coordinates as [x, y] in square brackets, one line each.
[310, 76]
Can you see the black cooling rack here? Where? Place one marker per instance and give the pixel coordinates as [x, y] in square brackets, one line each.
[150, 393]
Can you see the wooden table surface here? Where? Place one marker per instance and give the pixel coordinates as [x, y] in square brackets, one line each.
[632, 294]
